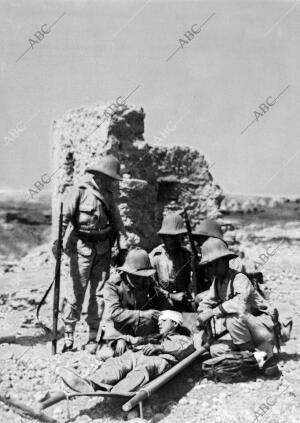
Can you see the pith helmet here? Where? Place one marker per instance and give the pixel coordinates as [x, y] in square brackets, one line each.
[108, 165]
[210, 228]
[213, 249]
[172, 224]
[137, 263]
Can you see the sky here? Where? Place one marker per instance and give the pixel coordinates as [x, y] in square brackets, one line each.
[224, 75]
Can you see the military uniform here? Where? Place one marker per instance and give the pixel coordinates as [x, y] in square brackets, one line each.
[245, 312]
[96, 223]
[123, 306]
[173, 274]
[136, 367]
[206, 229]
[133, 369]
[91, 224]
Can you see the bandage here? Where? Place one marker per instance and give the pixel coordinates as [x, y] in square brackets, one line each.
[172, 315]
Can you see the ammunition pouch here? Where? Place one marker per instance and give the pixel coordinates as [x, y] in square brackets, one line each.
[96, 236]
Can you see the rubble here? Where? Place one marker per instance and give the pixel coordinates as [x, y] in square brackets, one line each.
[29, 372]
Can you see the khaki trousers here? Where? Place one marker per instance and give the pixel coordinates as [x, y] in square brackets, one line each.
[130, 371]
[86, 267]
[243, 329]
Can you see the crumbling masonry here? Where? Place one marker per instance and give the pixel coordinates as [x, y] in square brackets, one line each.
[156, 179]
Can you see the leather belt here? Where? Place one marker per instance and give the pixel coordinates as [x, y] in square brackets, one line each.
[101, 235]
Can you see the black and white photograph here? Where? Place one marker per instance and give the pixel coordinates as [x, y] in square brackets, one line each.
[150, 211]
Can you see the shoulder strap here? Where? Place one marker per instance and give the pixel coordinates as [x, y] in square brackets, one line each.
[100, 198]
[81, 190]
[104, 205]
[232, 294]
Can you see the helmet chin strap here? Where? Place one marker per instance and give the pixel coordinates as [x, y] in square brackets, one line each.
[129, 281]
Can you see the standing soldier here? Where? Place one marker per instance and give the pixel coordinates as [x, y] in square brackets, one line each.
[172, 263]
[94, 223]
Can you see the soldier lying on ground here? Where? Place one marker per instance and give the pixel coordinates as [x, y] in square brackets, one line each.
[233, 297]
[132, 304]
[136, 368]
[172, 263]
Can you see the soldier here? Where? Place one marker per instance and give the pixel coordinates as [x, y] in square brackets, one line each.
[172, 263]
[94, 223]
[136, 368]
[132, 304]
[207, 228]
[233, 297]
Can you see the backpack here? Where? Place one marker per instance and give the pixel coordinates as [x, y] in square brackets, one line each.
[230, 367]
[255, 278]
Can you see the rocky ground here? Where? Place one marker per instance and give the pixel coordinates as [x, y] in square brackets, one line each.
[28, 371]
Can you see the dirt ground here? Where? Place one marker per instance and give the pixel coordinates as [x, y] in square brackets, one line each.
[28, 371]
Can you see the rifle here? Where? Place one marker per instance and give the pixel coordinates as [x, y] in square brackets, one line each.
[57, 281]
[195, 256]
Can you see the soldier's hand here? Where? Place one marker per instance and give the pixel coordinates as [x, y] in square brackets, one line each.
[137, 340]
[205, 316]
[121, 347]
[150, 314]
[178, 296]
[150, 349]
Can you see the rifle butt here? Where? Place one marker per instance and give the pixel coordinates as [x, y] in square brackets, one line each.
[18, 406]
[54, 399]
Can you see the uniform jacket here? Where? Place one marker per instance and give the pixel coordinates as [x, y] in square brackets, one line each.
[91, 210]
[246, 298]
[173, 272]
[123, 305]
[174, 345]
[178, 346]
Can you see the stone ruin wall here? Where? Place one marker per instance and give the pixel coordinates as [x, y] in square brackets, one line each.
[156, 179]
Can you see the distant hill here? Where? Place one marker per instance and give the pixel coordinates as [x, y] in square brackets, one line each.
[281, 198]
[23, 225]
[17, 199]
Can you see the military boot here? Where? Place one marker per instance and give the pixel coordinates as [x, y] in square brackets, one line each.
[270, 368]
[69, 342]
[92, 344]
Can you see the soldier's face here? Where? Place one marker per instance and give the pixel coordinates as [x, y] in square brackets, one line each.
[172, 242]
[165, 326]
[200, 239]
[105, 182]
[140, 283]
[217, 268]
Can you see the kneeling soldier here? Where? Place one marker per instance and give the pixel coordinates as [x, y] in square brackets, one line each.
[172, 263]
[233, 297]
[132, 304]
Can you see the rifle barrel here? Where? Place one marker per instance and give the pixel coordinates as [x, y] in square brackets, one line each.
[194, 257]
[57, 282]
